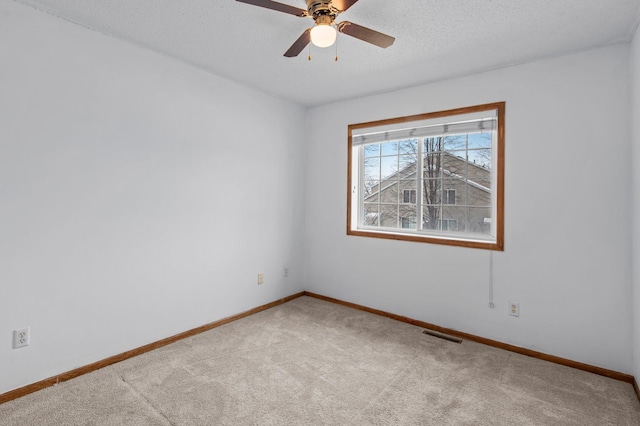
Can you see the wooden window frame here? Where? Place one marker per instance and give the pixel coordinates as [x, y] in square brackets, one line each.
[498, 243]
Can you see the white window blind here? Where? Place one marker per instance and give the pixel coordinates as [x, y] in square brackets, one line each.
[469, 123]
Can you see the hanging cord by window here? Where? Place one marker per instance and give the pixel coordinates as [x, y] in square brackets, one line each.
[491, 305]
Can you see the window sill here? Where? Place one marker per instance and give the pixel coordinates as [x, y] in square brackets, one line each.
[433, 239]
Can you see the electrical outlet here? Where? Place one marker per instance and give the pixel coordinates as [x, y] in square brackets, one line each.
[285, 271]
[514, 309]
[260, 278]
[21, 338]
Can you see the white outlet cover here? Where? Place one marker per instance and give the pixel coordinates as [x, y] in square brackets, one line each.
[514, 309]
[21, 338]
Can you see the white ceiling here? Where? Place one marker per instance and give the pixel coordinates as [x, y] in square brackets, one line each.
[435, 39]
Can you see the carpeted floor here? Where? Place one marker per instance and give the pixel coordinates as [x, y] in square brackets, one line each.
[310, 362]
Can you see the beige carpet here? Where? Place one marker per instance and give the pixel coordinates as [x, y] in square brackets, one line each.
[310, 362]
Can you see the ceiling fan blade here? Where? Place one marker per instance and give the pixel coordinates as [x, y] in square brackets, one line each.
[299, 44]
[365, 34]
[343, 5]
[280, 7]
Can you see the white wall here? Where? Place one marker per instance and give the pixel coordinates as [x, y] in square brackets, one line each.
[568, 213]
[635, 129]
[139, 197]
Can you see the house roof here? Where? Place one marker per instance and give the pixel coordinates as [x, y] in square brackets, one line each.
[410, 171]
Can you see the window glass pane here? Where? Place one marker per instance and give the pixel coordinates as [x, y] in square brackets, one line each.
[390, 192]
[479, 220]
[408, 147]
[432, 144]
[454, 158]
[389, 167]
[432, 191]
[478, 197]
[457, 213]
[431, 217]
[371, 190]
[432, 165]
[370, 214]
[372, 168]
[372, 150]
[408, 183]
[481, 182]
[389, 215]
[481, 158]
[389, 148]
[454, 142]
[407, 165]
[407, 216]
[480, 140]
[453, 165]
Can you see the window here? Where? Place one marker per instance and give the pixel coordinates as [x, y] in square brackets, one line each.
[435, 177]
[409, 222]
[409, 196]
[449, 225]
[449, 196]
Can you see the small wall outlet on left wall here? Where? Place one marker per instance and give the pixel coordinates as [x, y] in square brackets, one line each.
[21, 337]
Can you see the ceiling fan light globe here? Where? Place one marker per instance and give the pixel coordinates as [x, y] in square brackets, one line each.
[323, 35]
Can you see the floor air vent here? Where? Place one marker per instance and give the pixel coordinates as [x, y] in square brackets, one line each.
[442, 336]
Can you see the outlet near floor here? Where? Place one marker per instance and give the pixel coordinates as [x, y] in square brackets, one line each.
[260, 278]
[21, 338]
[514, 309]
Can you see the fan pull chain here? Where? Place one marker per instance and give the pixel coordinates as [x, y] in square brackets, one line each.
[309, 51]
[336, 59]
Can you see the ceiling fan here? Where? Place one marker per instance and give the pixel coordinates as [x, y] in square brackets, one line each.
[324, 32]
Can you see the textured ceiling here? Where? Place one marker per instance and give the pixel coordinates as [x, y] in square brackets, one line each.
[435, 39]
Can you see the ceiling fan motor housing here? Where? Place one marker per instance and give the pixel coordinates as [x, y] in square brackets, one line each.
[321, 10]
